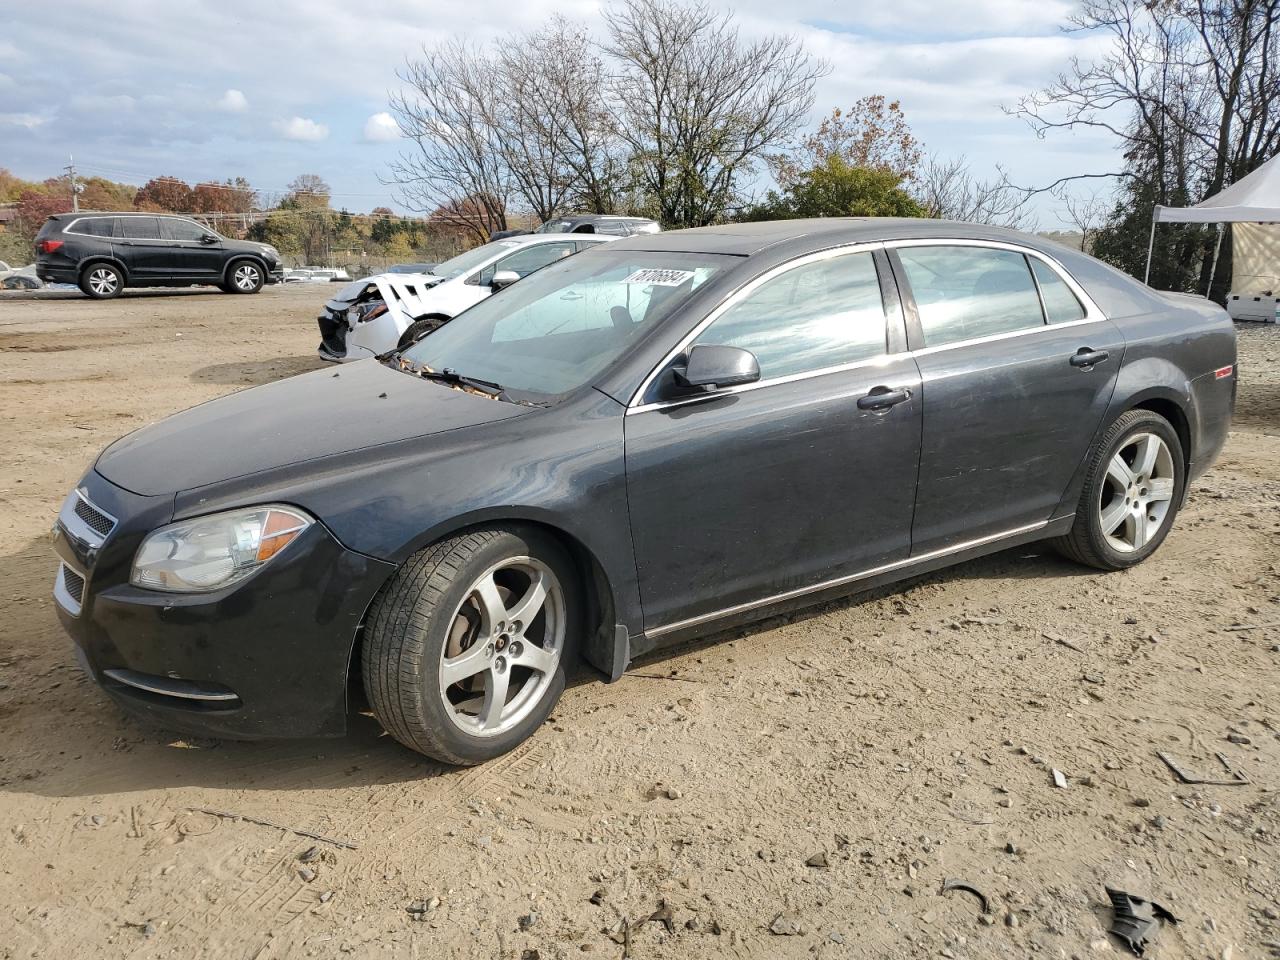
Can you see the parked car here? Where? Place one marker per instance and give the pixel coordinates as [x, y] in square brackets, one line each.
[411, 268]
[316, 275]
[607, 224]
[105, 252]
[661, 437]
[377, 314]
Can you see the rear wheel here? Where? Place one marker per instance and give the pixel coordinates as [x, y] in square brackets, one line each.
[244, 276]
[1131, 493]
[102, 281]
[466, 648]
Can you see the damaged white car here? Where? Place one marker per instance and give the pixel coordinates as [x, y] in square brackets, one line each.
[391, 310]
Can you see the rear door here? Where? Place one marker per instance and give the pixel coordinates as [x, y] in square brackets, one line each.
[1017, 367]
[193, 256]
[782, 485]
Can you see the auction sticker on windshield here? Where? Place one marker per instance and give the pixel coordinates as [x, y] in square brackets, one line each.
[660, 278]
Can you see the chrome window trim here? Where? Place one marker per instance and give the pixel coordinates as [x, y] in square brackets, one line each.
[1093, 314]
[841, 581]
[736, 297]
[91, 236]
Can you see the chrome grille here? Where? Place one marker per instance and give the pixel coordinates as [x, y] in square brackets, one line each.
[95, 519]
[73, 585]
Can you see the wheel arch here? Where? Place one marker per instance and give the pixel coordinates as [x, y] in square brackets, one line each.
[237, 257]
[597, 586]
[93, 258]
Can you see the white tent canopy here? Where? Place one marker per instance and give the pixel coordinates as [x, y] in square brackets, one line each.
[1255, 199]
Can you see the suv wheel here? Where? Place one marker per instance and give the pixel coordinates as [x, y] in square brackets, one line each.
[466, 647]
[102, 281]
[245, 276]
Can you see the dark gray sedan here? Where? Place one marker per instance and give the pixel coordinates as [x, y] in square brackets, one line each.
[661, 437]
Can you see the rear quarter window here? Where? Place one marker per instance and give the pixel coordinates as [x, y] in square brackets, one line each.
[1060, 304]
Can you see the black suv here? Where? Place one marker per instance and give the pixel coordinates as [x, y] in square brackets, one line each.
[106, 252]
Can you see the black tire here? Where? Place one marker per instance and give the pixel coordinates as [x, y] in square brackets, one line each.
[408, 627]
[419, 328]
[1086, 542]
[244, 276]
[101, 281]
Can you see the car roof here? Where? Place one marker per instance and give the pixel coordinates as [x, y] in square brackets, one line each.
[801, 236]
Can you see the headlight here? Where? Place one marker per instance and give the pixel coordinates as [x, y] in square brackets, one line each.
[213, 552]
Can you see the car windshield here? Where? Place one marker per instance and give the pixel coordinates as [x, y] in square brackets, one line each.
[464, 262]
[555, 226]
[559, 328]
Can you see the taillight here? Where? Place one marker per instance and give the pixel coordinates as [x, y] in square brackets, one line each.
[48, 246]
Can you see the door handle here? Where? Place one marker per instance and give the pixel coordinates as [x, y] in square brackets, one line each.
[1086, 357]
[882, 398]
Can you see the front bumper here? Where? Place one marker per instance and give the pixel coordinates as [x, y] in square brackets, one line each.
[275, 273]
[267, 658]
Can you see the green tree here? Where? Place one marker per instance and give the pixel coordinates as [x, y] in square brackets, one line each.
[833, 188]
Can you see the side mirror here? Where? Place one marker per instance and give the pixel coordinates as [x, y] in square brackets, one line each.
[503, 278]
[208, 238]
[711, 365]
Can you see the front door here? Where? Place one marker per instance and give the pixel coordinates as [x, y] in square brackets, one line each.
[775, 487]
[1009, 408]
[195, 256]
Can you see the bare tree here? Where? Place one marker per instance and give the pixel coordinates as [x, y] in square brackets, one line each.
[458, 167]
[1086, 212]
[562, 144]
[948, 190]
[1190, 92]
[697, 105]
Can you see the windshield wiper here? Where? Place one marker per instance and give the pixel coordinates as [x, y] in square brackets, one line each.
[454, 378]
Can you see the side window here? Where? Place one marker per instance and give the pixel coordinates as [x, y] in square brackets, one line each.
[525, 261]
[821, 314]
[94, 227]
[963, 293]
[140, 228]
[175, 229]
[1060, 304]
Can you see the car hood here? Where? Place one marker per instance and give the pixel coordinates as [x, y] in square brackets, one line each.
[244, 246]
[290, 421]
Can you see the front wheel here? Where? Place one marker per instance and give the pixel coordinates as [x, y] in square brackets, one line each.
[244, 276]
[101, 281]
[466, 647]
[419, 329]
[1132, 492]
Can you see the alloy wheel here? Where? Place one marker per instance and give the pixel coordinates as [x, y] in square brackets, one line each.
[503, 647]
[1135, 499]
[103, 282]
[246, 277]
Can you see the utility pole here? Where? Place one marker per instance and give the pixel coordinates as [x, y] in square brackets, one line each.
[75, 191]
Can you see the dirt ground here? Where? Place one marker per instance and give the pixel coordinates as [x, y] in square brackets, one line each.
[799, 789]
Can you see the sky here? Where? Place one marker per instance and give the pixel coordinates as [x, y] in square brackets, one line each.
[202, 90]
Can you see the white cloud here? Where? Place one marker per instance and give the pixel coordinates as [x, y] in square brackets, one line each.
[233, 101]
[381, 128]
[301, 128]
[28, 120]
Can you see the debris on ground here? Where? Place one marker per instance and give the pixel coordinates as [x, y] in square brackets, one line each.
[1136, 919]
[949, 885]
[818, 860]
[1237, 778]
[786, 925]
[1059, 778]
[663, 915]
